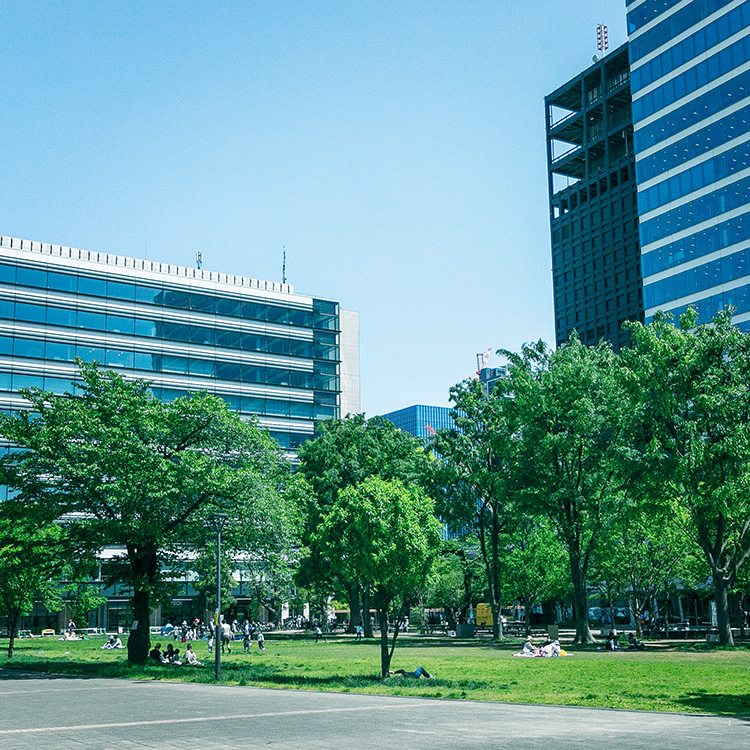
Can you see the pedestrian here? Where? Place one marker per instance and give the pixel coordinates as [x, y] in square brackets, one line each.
[226, 637]
[261, 641]
[319, 634]
[358, 630]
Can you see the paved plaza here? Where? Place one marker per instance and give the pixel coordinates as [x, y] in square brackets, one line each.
[67, 713]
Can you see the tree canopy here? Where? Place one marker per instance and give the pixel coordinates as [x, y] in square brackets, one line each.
[346, 452]
[691, 387]
[126, 470]
[388, 533]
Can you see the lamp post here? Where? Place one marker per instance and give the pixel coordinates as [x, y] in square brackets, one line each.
[217, 522]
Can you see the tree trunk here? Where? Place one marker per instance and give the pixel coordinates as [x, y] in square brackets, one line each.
[12, 629]
[722, 609]
[144, 568]
[385, 656]
[355, 612]
[497, 625]
[139, 641]
[580, 604]
[548, 612]
[366, 621]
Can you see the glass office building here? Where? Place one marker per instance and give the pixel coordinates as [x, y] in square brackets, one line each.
[420, 420]
[288, 359]
[690, 81]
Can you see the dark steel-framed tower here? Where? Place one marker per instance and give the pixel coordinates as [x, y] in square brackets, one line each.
[593, 210]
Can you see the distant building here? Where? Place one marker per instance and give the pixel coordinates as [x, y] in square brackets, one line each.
[421, 421]
[489, 377]
[596, 270]
[288, 359]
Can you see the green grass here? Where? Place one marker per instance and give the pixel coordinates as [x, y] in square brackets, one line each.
[673, 678]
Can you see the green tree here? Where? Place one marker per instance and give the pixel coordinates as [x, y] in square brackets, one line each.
[83, 599]
[31, 556]
[389, 533]
[537, 566]
[142, 475]
[569, 408]
[692, 385]
[474, 478]
[347, 452]
[204, 568]
[458, 579]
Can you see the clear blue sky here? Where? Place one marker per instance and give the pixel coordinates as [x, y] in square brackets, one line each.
[395, 148]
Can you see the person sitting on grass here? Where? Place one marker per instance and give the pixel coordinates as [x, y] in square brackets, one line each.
[420, 672]
[634, 644]
[175, 659]
[190, 658]
[157, 656]
[529, 649]
[613, 642]
[113, 642]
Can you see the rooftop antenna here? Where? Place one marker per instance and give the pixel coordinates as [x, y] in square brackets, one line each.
[602, 39]
[199, 260]
[283, 266]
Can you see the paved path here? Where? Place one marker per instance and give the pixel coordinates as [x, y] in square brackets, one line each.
[70, 713]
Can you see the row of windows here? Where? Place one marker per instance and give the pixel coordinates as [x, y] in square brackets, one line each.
[671, 27]
[13, 382]
[648, 11]
[192, 334]
[696, 44]
[694, 178]
[712, 136]
[323, 315]
[707, 307]
[120, 358]
[695, 111]
[696, 211]
[699, 279]
[697, 245]
[692, 79]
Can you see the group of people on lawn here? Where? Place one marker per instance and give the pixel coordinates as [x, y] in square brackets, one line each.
[171, 655]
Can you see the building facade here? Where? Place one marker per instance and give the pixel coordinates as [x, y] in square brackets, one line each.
[268, 352]
[593, 213]
[690, 79]
[420, 420]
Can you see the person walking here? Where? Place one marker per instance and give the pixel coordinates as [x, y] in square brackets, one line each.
[261, 640]
[319, 634]
[226, 637]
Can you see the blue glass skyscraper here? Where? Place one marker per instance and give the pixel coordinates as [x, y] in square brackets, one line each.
[690, 82]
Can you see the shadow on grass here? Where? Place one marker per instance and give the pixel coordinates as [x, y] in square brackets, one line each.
[717, 703]
[259, 674]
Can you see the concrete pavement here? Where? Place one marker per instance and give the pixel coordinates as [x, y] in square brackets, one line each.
[70, 713]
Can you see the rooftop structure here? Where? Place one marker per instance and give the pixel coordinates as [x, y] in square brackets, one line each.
[592, 194]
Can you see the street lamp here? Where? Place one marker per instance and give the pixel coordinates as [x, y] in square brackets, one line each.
[217, 522]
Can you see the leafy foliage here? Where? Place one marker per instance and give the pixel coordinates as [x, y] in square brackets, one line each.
[692, 388]
[388, 533]
[31, 556]
[133, 472]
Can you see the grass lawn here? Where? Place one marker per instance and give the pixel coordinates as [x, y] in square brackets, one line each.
[672, 678]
